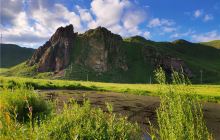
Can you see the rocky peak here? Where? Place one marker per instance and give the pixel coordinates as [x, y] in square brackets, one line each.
[103, 33]
[54, 55]
[103, 45]
[61, 33]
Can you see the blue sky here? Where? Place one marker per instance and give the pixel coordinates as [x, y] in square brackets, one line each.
[30, 23]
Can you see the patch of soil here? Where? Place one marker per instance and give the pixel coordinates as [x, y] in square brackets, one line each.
[137, 108]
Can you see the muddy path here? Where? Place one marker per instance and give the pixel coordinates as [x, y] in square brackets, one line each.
[137, 108]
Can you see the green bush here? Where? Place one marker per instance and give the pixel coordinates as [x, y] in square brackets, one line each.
[180, 115]
[75, 122]
[21, 102]
[85, 122]
[21, 105]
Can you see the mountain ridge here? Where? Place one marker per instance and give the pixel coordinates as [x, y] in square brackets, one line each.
[12, 54]
[105, 56]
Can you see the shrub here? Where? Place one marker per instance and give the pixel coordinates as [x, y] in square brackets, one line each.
[180, 115]
[74, 123]
[85, 122]
[21, 102]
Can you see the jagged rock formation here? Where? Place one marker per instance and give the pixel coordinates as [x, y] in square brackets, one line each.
[104, 50]
[54, 55]
[99, 50]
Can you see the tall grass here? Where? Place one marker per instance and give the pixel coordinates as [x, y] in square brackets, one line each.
[180, 115]
[24, 115]
[210, 93]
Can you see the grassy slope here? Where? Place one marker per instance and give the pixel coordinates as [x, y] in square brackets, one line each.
[206, 92]
[214, 43]
[12, 55]
[2, 70]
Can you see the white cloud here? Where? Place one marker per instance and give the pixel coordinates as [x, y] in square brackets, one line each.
[133, 18]
[208, 17]
[156, 22]
[43, 24]
[147, 34]
[108, 12]
[85, 15]
[169, 29]
[198, 13]
[41, 18]
[212, 35]
[58, 16]
[119, 16]
[8, 10]
[184, 34]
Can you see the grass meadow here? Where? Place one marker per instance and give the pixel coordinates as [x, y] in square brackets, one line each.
[27, 115]
[210, 93]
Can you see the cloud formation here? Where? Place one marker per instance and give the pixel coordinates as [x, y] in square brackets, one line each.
[31, 22]
[204, 37]
[199, 13]
[36, 20]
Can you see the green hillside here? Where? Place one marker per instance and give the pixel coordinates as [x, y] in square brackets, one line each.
[214, 43]
[196, 56]
[12, 55]
[99, 55]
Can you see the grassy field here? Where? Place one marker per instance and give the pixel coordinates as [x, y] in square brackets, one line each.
[214, 43]
[205, 92]
[3, 70]
[27, 115]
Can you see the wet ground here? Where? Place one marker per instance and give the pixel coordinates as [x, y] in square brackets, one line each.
[137, 108]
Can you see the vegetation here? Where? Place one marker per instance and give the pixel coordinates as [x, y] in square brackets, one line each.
[3, 70]
[214, 43]
[20, 100]
[12, 55]
[180, 115]
[209, 93]
[197, 56]
[73, 122]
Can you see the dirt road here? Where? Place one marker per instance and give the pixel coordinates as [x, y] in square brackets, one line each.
[136, 108]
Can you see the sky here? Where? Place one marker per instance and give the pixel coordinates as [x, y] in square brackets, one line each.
[29, 23]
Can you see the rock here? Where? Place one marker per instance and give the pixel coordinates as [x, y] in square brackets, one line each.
[167, 62]
[100, 51]
[104, 50]
[54, 55]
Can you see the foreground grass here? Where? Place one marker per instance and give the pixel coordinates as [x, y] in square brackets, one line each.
[182, 121]
[179, 115]
[24, 115]
[209, 93]
[3, 70]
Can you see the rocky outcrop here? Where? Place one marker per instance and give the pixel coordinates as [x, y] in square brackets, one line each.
[99, 50]
[54, 55]
[167, 62]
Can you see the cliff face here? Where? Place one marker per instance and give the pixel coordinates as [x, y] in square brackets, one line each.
[100, 51]
[104, 50]
[54, 55]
